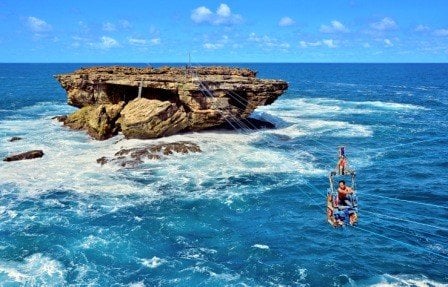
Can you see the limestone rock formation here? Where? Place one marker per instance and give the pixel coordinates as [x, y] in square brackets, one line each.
[152, 103]
[26, 155]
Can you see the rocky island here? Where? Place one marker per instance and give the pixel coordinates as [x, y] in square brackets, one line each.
[155, 102]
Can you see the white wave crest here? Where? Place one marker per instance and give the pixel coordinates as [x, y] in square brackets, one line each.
[290, 109]
[391, 105]
[316, 127]
[152, 262]
[35, 270]
[261, 246]
[388, 280]
[69, 162]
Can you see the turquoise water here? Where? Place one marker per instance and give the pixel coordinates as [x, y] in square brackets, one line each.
[249, 209]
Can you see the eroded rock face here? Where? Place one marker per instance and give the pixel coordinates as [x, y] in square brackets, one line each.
[171, 100]
[143, 118]
[26, 155]
[98, 120]
[135, 156]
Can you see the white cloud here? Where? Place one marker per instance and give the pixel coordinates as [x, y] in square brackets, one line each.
[223, 16]
[266, 41]
[304, 44]
[201, 14]
[223, 10]
[388, 43]
[334, 27]
[329, 43]
[144, 42]
[38, 25]
[213, 46]
[78, 41]
[421, 28]
[137, 42]
[441, 32]
[384, 25]
[107, 43]
[366, 45]
[218, 44]
[109, 27]
[83, 27]
[286, 21]
[155, 41]
[112, 27]
[125, 24]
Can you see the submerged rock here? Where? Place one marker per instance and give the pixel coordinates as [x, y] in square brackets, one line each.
[26, 155]
[153, 103]
[134, 156]
[60, 118]
[13, 139]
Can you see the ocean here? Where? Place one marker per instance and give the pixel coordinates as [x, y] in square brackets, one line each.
[249, 210]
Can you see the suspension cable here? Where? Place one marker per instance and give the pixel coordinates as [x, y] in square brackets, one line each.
[402, 242]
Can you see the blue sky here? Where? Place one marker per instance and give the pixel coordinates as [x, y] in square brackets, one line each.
[223, 31]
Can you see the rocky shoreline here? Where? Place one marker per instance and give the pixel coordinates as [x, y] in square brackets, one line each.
[150, 103]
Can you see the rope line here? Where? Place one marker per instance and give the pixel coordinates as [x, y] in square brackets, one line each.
[406, 200]
[402, 242]
[415, 235]
[410, 221]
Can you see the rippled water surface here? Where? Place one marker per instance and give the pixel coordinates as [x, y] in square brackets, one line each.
[249, 209]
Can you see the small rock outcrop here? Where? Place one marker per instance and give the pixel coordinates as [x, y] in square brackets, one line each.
[26, 155]
[152, 103]
[135, 156]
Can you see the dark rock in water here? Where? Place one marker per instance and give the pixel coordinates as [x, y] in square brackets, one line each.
[13, 139]
[134, 156]
[102, 160]
[61, 119]
[249, 123]
[26, 155]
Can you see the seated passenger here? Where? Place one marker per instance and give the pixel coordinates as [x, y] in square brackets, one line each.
[345, 194]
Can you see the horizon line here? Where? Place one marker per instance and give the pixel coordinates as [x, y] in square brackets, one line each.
[219, 62]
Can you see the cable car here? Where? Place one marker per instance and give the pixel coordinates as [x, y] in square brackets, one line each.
[342, 208]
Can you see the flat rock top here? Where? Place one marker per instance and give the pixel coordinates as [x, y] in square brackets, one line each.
[209, 70]
[133, 75]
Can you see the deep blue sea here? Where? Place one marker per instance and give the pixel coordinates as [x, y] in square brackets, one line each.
[247, 211]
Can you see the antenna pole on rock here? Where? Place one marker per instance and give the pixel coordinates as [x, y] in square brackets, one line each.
[140, 87]
[188, 67]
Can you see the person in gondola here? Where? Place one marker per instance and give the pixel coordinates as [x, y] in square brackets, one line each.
[344, 194]
[346, 198]
[342, 165]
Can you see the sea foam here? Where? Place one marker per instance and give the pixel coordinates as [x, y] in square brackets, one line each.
[35, 270]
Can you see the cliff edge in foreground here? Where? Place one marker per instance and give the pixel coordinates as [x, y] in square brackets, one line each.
[152, 103]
